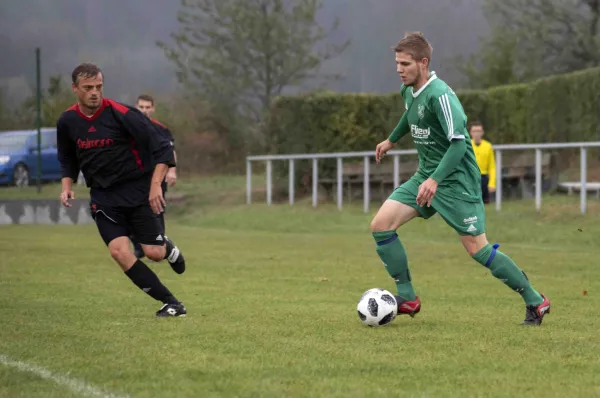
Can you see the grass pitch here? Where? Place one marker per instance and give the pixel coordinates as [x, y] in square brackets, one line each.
[271, 295]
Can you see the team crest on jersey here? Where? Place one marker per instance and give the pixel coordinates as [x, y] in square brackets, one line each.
[421, 111]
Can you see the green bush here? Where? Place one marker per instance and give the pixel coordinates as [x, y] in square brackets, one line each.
[555, 109]
[558, 108]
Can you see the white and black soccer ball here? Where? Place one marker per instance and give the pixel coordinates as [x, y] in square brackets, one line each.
[377, 307]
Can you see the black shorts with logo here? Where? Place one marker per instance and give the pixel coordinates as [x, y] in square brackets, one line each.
[124, 210]
[139, 222]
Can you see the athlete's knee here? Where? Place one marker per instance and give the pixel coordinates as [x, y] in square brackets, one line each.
[382, 223]
[154, 253]
[121, 252]
[392, 216]
[376, 225]
[474, 244]
[471, 250]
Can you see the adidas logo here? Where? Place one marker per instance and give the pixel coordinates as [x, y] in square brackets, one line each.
[471, 228]
[159, 238]
[92, 129]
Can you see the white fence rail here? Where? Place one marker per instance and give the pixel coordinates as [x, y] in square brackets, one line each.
[498, 149]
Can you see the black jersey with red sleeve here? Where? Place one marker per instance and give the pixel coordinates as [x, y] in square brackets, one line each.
[166, 134]
[164, 130]
[116, 149]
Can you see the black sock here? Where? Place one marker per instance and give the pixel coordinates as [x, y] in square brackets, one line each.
[147, 280]
[169, 247]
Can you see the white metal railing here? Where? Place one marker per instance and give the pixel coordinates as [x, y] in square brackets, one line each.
[367, 155]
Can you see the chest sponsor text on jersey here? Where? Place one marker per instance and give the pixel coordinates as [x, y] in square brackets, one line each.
[421, 136]
[418, 132]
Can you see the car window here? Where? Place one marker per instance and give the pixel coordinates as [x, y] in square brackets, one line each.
[48, 140]
[11, 142]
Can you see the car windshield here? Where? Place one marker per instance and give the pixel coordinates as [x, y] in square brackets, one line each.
[11, 142]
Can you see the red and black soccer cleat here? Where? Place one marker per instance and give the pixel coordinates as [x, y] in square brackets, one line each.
[408, 307]
[535, 313]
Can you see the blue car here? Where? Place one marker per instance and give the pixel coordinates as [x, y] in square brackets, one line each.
[19, 157]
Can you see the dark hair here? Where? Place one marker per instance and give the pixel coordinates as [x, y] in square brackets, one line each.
[475, 123]
[415, 44]
[145, 97]
[84, 70]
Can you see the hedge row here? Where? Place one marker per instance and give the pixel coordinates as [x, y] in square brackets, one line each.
[559, 108]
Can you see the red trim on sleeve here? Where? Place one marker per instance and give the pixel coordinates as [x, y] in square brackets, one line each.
[136, 154]
[118, 107]
[159, 123]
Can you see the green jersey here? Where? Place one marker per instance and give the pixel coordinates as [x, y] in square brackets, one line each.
[434, 117]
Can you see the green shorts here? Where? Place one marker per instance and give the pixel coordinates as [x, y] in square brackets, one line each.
[465, 216]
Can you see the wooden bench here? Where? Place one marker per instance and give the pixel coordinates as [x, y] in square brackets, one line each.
[572, 187]
[381, 178]
[518, 173]
[518, 176]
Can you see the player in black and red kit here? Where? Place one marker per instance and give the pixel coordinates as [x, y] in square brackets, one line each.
[124, 162]
[145, 104]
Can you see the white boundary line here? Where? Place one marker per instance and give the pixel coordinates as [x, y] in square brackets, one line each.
[77, 386]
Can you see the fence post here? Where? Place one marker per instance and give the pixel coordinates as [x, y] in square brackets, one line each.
[248, 182]
[498, 180]
[538, 179]
[269, 182]
[291, 182]
[366, 186]
[339, 183]
[583, 180]
[396, 171]
[315, 182]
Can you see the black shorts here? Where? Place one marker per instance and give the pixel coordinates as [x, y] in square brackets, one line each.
[485, 192]
[139, 222]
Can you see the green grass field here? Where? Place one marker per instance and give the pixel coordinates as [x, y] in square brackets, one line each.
[271, 294]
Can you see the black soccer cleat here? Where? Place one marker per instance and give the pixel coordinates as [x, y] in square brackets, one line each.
[174, 257]
[534, 314]
[171, 310]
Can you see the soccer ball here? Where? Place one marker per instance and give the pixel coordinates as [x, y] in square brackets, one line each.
[377, 307]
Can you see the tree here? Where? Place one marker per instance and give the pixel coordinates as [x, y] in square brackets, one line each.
[497, 62]
[241, 54]
[55, 100]
[533, 38]
[7, 121]
[493, 64]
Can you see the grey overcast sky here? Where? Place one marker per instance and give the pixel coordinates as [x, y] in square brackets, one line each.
[120, 36]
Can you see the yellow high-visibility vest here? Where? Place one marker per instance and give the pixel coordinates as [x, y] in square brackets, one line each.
[484, 154]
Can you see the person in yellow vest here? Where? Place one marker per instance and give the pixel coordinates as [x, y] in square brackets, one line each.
[484, 154]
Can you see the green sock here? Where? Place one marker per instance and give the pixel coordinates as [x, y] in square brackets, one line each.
[394, 258]
[505, 269]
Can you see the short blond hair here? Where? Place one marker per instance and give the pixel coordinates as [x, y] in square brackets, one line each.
[415, 44]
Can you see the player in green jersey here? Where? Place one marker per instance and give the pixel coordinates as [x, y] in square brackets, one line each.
[447, 182]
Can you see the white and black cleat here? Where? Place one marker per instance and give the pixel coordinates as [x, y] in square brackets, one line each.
[171, 310]
[174, 257]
